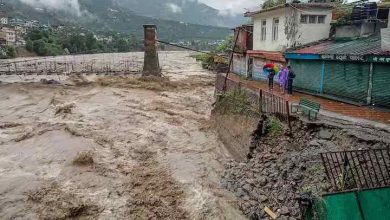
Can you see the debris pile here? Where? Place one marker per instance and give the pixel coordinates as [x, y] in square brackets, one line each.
[283, 167]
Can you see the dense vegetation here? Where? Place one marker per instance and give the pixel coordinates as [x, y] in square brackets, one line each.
[194, 12]
[50, 43]
[7, 52]
[217, 55]
[272, 3]
[104, 16]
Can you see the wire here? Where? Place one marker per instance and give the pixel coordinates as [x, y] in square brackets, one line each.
[188, 48]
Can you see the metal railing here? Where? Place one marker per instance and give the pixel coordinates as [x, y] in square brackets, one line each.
[269, 102]
[357, 169]
[274, 104]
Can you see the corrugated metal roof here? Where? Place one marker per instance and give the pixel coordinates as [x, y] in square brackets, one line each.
[361, 46]
[293, 5]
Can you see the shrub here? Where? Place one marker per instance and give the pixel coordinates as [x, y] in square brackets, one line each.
[11, 52]
[237, 101]
[275, 126]
[207, 60]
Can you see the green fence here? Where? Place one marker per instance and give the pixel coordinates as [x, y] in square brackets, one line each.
[381, 89]
[308, 75]
[347, 80]
[372, 204]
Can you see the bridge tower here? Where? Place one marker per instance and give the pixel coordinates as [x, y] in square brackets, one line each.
[151, 61]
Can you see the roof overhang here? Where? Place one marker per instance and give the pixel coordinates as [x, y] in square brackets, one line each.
[269, 55]
[292, 5]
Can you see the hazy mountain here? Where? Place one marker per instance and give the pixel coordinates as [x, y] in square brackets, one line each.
[190, 11]
[112, 15]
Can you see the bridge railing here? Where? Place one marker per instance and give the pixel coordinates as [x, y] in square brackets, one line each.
[94, 64]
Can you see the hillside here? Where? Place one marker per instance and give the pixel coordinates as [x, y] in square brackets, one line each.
[104, 16]
[181, 10]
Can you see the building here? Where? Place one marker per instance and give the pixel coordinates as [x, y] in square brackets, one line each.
[3, 38]
[10, 35]
[16, 22]
[32, 24]
[277, 28]
[353, 71]
[244, 42]
[289, 25]
[3, 19]
[352, 67]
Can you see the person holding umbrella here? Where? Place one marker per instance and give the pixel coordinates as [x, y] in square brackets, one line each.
[271, 76]
[269, 68]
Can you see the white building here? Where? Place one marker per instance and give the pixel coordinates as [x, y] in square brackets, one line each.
[10, 34]
[31, 24]
[278, 28]
[3, 20]
[288, 25]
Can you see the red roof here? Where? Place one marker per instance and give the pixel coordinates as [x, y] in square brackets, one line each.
[269, 55]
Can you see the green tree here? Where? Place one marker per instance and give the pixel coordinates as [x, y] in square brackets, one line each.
[134, 45]
[11, 52]
[35, 34]
[272, 3]
[40, 47]
[122, 45]
[91, 42]
[30, 45]
[226, 45]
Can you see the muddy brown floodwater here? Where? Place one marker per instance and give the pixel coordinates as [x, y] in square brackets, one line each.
[114, 148]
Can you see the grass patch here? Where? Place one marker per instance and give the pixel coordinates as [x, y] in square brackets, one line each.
[83, 158]
[275, 126]
[237, 101]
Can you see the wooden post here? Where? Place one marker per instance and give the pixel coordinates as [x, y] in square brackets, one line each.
[230, 62]
[288, 115]
[370, 84]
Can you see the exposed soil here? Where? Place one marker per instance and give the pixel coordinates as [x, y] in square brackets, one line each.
[283, 165]
[112, 147]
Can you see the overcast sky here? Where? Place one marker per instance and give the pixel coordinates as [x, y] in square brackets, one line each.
[233, 6]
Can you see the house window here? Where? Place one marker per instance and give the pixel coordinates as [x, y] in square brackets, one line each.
[312, 19]
[275, 29]
[321, 19]
[304, 19]
[263, 30]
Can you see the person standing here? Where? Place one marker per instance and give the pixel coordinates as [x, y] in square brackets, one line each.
[271, 76]
[283, 79]
[290, 80]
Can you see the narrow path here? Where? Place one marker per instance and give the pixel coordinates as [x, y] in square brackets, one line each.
[345, 109]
